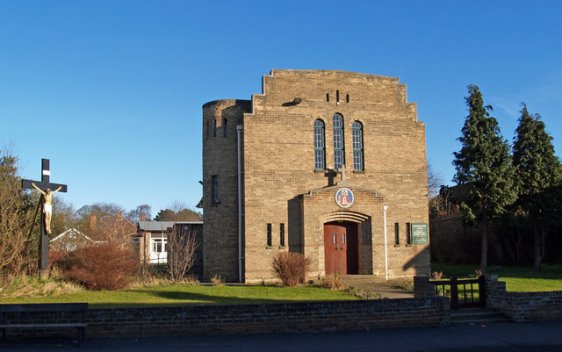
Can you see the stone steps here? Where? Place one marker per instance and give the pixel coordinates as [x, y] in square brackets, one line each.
[477, 316]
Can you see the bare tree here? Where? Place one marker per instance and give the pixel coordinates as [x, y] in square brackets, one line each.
[182, 247]
[434, 181]
[143, 212]
[63, 216]
[18, 243]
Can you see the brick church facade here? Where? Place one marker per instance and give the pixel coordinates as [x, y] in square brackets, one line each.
[329, 164]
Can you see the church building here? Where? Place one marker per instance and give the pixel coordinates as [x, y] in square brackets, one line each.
[330, 164]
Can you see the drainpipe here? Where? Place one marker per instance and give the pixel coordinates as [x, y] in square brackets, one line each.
[385, 208]
[239, 129]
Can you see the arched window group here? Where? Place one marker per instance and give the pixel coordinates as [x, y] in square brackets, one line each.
[339, 144]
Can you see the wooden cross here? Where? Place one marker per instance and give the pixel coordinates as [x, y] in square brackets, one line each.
[46, 188]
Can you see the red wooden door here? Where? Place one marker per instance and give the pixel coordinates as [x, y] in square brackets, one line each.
[335, 248]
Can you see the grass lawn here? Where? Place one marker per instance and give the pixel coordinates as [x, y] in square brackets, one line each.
[517, 279]
[187, 294]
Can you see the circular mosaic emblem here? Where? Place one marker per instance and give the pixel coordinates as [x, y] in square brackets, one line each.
[344, 197]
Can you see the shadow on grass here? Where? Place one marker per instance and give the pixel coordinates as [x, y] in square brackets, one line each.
[553, 272]
[167, 298]
[190, 298]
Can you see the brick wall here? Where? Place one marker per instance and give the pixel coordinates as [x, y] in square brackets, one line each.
[261, 318]
[523, 306]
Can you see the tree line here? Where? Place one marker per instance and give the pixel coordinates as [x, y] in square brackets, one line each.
[19, 219]
[496, 182]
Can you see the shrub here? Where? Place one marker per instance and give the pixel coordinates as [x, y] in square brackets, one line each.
[333, 281]
[364, 294]
[404, 285]
[437, 275]
[217, 280]
[478, 273]
[290, 268]
[104, 266]
[26, 286]
[57, 260]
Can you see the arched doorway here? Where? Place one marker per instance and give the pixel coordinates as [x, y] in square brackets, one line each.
[341, 247]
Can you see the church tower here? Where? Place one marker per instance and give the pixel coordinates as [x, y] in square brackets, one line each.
[330, 164]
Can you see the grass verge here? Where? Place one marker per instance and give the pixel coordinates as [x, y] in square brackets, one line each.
[179, 294]
[517, 279]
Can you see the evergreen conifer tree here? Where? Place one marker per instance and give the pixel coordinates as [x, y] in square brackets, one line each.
[537, 170]
[483, 168]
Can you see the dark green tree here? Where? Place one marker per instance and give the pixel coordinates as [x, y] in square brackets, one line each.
[179, 215]
[483, 166]
[537, 170]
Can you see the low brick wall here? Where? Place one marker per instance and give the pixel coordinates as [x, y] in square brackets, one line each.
[317, 316]
[262, 318]
[523, 306]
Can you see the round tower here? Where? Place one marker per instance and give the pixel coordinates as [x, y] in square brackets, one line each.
[221, 172]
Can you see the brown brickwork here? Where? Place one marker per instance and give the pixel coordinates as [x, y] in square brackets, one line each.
[236, 319]
[281, 185]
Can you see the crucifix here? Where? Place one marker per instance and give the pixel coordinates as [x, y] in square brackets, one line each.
[46, 189]
[343, 171]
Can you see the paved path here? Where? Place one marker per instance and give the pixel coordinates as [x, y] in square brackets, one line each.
[504, 337]
[377, 286]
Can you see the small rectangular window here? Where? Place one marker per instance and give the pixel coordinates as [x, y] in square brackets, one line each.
[328, 97]
[282, 235]
[396, 233]
[347, 98]
[408, 233]
[215, 189]
[224, 128]
[215, 128]
[337, 96]
[269, 235]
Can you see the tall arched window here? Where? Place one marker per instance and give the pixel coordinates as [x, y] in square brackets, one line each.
[319, 146]
[339, 147]
[357, 132]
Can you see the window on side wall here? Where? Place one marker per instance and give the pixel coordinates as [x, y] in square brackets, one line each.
[215, 189]
[268, 235]
[282, 235]
[408, 233]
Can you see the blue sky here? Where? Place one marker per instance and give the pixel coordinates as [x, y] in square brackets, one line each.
[111, 91]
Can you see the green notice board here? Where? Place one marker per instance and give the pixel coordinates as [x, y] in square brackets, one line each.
[420, 234]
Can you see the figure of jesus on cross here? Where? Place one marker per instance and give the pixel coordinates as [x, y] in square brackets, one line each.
[47, 205]
[46, 189]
